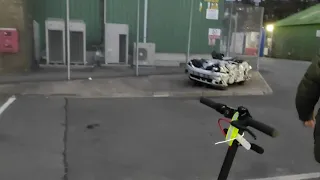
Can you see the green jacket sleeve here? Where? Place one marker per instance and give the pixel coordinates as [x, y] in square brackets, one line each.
[308, 91]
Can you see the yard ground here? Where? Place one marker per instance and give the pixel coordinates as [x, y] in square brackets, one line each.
[151, 138]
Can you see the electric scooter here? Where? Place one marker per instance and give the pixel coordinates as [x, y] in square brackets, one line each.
[239, 123]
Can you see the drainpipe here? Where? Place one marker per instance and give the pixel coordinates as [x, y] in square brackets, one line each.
[145, 21]
[104, 12]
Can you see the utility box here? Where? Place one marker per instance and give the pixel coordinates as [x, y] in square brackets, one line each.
[77, 42]
[9, 40]
[55, 41]
[116, 43]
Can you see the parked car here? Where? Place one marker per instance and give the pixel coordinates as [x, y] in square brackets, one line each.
[219, 72]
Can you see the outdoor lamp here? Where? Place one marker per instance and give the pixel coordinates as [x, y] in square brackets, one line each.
[270, 27]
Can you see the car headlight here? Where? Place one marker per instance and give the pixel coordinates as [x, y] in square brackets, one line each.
[218, 79]
[215, 69]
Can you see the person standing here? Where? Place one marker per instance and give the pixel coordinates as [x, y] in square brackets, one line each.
[307, 96]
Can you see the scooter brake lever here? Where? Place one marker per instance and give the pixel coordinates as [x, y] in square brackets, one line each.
[243, 128]
[251, 133]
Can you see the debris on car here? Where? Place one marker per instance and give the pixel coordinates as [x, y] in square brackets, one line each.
[220, 71]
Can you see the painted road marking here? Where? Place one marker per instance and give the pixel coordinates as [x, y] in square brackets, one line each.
[7, 104]
[164, 94]
[292, 177]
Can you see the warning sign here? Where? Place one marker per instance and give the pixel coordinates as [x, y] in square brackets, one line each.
[212, 10]
[212, 14]
[318, 33]
[213, 34]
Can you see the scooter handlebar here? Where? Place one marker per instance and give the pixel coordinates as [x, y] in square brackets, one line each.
[221, 108]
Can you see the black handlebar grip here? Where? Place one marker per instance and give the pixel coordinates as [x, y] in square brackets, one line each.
[262, 127]
[257, 148]
[208, 102]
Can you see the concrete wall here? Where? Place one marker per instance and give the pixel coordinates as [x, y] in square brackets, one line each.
[14, 14]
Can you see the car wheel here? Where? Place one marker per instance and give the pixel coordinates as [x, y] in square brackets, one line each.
[219, 87]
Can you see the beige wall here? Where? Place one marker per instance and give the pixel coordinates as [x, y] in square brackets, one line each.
[14, 14]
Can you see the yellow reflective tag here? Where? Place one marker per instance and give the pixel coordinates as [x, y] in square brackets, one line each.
[232, 131]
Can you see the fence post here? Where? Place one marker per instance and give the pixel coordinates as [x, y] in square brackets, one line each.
[260, 39]
[229, 32]
[138, 29]
[145, 21]
[68, 37]
[190, 31]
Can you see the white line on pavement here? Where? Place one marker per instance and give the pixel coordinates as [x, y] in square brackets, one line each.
[7, 104]
[161, 95]
[292, 177]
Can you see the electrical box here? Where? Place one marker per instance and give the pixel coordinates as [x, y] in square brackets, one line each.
[117, 43]
[9, 40]
[77, 42]
[55, 41]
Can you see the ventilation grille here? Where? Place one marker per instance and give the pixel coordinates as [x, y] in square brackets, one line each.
[55, 44]
[76, 47]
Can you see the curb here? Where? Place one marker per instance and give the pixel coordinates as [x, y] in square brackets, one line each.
[165, 94]
[269, 89]
[79, 78]
[262, 89]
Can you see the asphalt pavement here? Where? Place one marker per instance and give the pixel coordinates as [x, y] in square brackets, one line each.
[151, 138]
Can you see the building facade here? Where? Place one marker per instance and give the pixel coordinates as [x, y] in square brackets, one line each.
[295, 37]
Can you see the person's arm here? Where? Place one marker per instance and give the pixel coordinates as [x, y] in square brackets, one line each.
[308, 91]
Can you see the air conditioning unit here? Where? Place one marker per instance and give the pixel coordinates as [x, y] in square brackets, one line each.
[55, 41]
[77, 42]
[146, 54]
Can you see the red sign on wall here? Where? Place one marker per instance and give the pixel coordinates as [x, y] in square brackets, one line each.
[9, 40]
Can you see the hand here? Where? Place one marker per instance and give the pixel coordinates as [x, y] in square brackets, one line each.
[310, 123]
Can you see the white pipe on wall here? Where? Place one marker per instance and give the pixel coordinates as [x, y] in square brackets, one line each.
[104, 11]
[68, 37]
[145, 21]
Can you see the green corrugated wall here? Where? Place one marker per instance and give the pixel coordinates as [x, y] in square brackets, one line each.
[125, 12]
[168, 26]
[79, 9]
[168, 21]
[296, 42]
